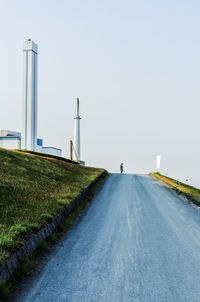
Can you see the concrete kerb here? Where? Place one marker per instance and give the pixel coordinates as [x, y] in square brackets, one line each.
[14, 262]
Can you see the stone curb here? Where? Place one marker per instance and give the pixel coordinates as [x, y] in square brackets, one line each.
[8, 268]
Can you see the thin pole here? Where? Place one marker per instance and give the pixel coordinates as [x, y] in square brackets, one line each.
[71, 150]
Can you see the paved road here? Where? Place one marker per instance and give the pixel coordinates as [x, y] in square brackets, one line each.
[137, 241]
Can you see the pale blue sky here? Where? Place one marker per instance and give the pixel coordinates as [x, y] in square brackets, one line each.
[135, 67]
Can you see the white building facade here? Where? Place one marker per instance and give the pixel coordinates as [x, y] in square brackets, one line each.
[48, 150]
[10, 139]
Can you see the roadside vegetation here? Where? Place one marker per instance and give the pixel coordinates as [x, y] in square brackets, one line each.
[46, 246]
[32, 190]
[191, 192]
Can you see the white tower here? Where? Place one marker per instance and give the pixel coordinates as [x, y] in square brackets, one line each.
[77, 147]
[30, 71]
[158, 158]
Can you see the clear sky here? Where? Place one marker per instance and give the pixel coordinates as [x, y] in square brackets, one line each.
[135, 67]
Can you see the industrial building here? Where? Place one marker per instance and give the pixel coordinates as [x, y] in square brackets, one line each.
[12, 140]
[28, 138]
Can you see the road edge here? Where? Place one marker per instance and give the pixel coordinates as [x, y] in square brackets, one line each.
[189, 198]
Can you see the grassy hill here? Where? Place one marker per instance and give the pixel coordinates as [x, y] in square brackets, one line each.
[33, 189]
[189, 191]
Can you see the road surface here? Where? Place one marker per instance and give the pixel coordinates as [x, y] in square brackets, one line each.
[137, 241]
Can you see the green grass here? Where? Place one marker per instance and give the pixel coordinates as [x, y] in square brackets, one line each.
[33, 188]
[4, 290]
[180, 187]
[46, 246]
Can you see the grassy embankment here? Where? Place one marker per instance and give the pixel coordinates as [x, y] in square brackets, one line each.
[32, 190]
[190, 192]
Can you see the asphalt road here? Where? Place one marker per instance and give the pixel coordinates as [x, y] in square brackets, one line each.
[137, 241]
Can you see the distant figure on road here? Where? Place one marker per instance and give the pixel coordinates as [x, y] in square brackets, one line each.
[122, 168]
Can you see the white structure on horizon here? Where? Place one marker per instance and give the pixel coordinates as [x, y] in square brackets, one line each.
[28, 139]
[30, 74]
[77, 142]
[10, 139]
[158, 159]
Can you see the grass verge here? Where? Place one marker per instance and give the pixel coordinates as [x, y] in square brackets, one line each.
[34, 188]
[45, 247]
[192, 193]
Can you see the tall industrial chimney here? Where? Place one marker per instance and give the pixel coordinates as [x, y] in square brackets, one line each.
[30, 71]
[77, 147]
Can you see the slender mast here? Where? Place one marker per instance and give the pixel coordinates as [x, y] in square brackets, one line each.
[77, 147]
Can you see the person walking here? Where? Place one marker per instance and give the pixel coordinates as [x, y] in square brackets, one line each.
[122, 168]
